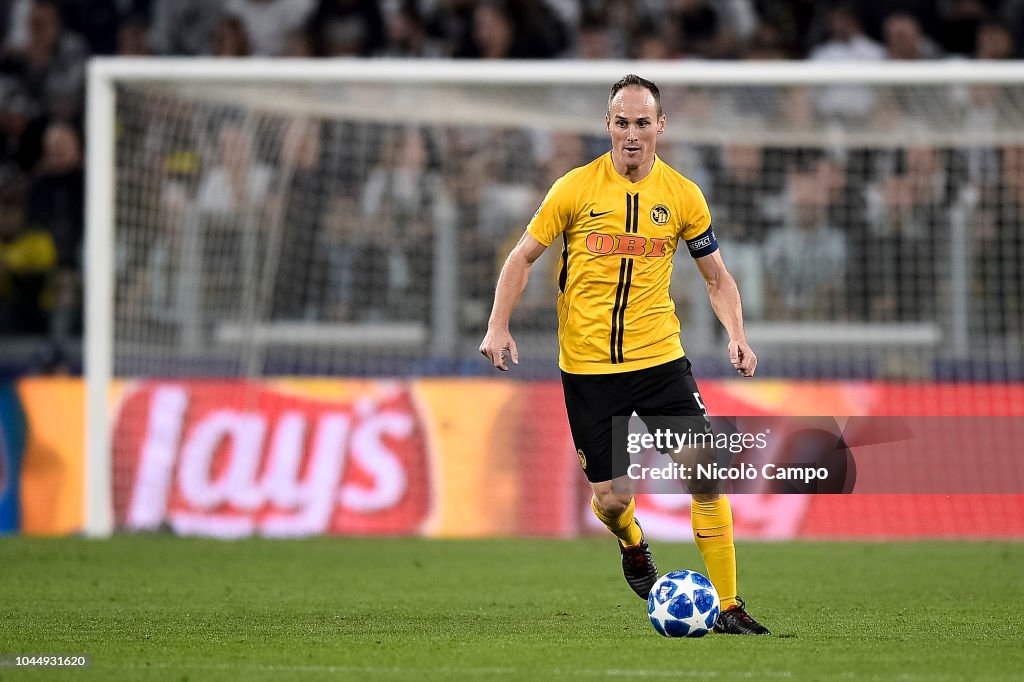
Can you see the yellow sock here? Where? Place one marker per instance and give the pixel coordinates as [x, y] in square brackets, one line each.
[623, 526]
[712, 531]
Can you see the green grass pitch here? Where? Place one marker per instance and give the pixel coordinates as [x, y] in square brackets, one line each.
[160, 608]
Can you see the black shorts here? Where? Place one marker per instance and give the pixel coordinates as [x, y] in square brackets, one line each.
[591, 400]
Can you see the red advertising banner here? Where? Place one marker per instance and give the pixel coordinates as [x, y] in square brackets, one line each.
[777, 517]
[444, 458]
[231, 459]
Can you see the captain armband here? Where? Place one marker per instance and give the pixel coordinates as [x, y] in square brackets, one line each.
[704, 244]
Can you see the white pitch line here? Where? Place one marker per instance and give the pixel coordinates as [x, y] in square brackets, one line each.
[707, 674]
[476, 671]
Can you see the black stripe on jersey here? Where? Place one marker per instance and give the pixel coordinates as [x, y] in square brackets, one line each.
[632, 213]
[563, 274]
[613, 346]
[622, 308]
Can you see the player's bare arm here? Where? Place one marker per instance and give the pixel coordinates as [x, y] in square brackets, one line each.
[725, 300]
[511, 282]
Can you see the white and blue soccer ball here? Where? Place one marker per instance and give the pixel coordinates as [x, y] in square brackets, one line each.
[683, 604]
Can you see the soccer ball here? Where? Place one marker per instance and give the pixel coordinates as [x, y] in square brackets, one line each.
[683, 604]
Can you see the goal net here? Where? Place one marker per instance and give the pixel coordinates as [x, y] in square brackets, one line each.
[253, 220]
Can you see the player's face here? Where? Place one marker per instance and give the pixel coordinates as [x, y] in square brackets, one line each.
[634, 125]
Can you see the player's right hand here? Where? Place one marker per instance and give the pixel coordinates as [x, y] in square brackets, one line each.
[494, 346]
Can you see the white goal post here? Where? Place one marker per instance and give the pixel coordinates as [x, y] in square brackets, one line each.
[436, 90]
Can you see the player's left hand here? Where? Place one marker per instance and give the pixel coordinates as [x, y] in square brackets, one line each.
[742, 358]
[496, 343]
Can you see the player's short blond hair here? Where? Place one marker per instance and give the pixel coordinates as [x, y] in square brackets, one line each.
[633, 80]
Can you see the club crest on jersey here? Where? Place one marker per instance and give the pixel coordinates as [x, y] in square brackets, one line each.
[660, 214]
[583, 458]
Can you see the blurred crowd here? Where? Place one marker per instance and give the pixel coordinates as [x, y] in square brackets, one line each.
[808, 219]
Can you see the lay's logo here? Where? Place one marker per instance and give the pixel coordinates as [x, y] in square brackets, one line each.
[230, 459]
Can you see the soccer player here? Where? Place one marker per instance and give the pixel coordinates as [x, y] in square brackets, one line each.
[620, 219]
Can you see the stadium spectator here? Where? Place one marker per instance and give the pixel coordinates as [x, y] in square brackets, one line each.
[399, 196]
[160, 278]
[741, 192]
[1011, 15]
[999, 249]
[655, 42]
[741, 16]
[805, 259]
[348, 28]
[99, 21]
[510, 196]
[299, 43]
[233, 204]
[462, 208]
[702, 30]
[230, 38]
[979, 167]
[847, 42]
[904, 39]
[356, 286]
[741, 196]
[27, 261]
[51, 65]
[994, 41]
[57, 204]
[399, 187]
[908, 214]
[407, 34]
[15, 24]
[20, 129]
[492, 34]
[267, 23]
[300, 269]
[184, 27]
[801, 22]
[540, 31]
[958, 31]
[133, 37]
[526, 29]
[558, 154]
[237, 181]
[449, 23]
[57, 191]
[595, 38]
[874, 13]
[765, 43]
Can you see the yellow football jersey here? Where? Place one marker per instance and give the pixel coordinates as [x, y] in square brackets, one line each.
[618, 239]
